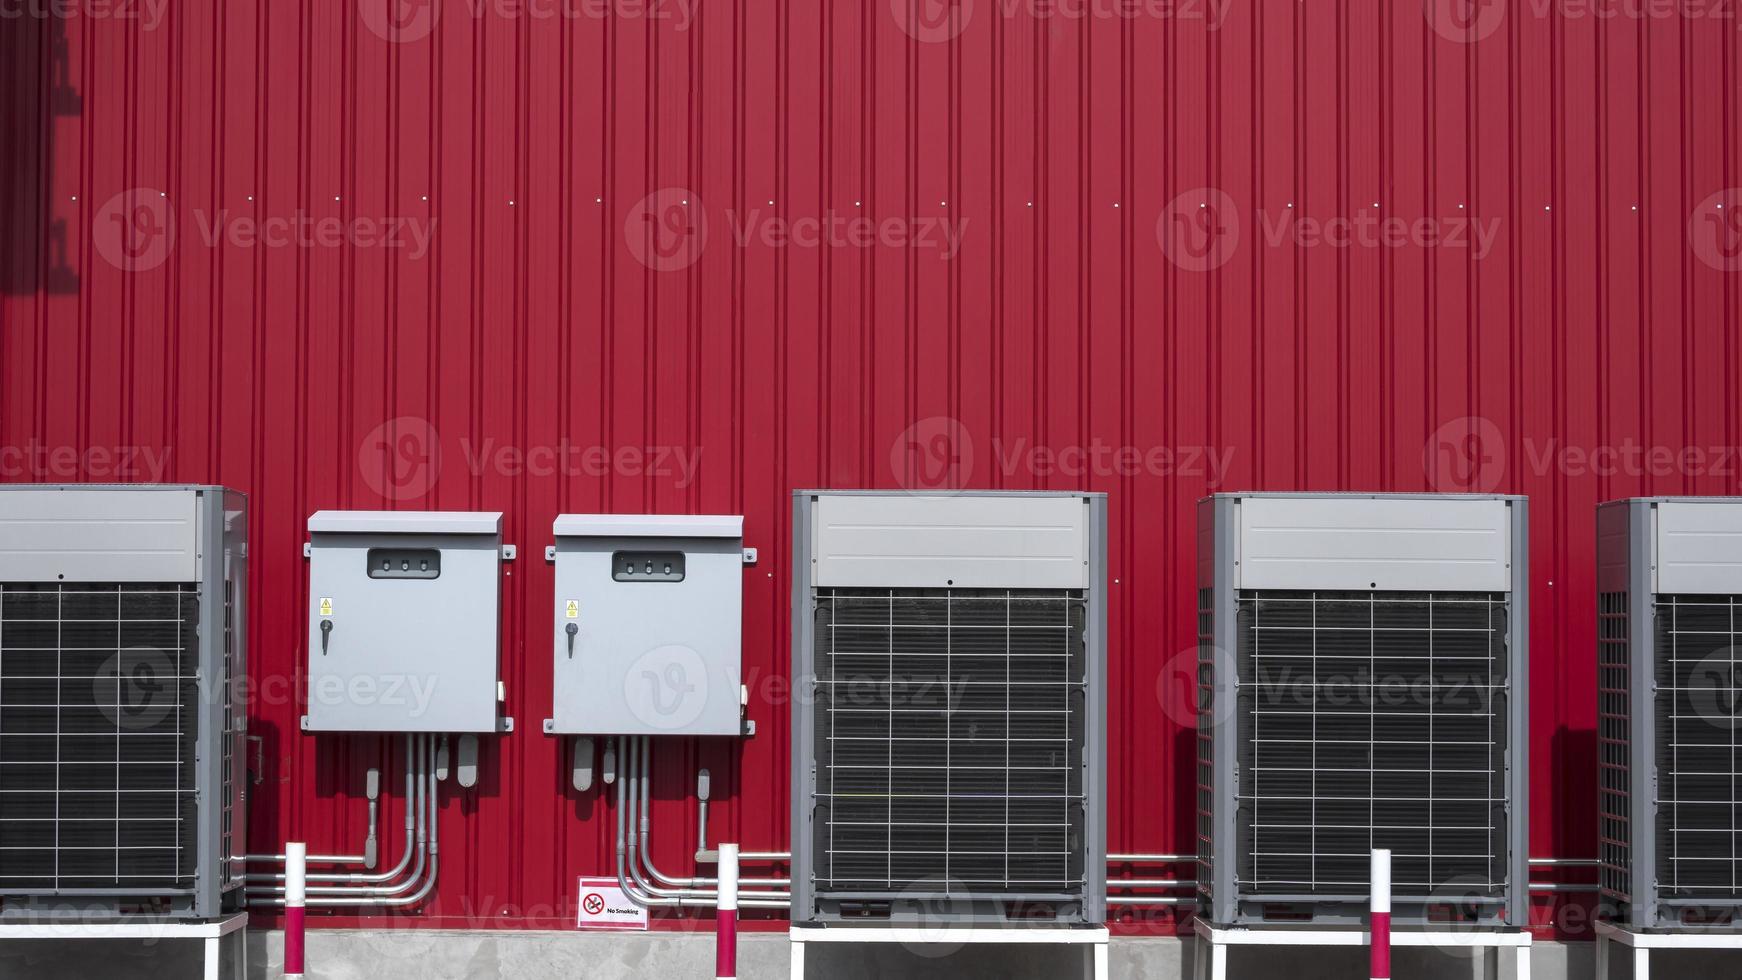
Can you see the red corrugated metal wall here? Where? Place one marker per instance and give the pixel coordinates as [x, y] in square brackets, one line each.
[1149, 292]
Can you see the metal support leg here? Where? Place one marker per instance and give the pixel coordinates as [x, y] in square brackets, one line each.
[214, 956]
[1490, 963]
[1099, 952]
[1641, 963]
[797, 960]
[1218, 962]
[1602, 957]
[1521, 961]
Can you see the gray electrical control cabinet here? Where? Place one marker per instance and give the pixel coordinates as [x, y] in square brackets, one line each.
[404, 615]
[646, 627]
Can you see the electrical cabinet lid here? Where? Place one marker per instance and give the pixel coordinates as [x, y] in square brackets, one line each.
[405, 522]
[656, 651]
[648, 525]
[411, 652]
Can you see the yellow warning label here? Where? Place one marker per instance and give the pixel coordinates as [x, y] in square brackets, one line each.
[326, 606]
[573, 609]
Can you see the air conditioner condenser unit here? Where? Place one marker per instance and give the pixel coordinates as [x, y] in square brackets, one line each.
[1669, 732]
[122, 726]
[949, 719]
[1362, 684]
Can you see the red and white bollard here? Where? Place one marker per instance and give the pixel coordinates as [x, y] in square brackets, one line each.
[726, 916]
[295, 896]
[1380, 906]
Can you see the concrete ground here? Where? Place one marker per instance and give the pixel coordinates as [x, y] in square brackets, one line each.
[502, 955]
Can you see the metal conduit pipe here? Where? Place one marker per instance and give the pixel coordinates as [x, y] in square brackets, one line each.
[1150, 858]
[1150, 883]
[424, 796]
[1152, 900]
[644, 767]
[429, 883]
[364, 859]
[639, 891]
[413, 826]
[644, 772]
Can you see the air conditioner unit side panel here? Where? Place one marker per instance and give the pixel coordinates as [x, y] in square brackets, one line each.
[803, 676]
[209, 767]
[1518, 694]
[1642, 709]
[1095, 752]
[1331, 542]
[1218, 531]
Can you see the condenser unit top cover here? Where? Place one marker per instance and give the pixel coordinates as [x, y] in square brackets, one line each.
[100, 533]
[1385, 542]
[404, 617]
[1694, 544]
[965, 541]
[647, 624]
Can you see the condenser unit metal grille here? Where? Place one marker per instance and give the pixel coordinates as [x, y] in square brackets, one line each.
[1614, 745]
[1699, 807]
[99, 708]
[1373, 719]
[949, 741]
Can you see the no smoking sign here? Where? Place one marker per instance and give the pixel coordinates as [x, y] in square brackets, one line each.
[604, 907]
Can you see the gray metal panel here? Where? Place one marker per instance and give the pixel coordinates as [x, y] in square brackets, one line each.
[1095, 723]
[1642, 761]
[1222, 717]
[649, 525]
[1613, 563]
[404, 655]
[1699, 547]
[804, 722]
[405, 522]
[1452, 543]
[964, 541]
[649, 658]
[1518, 700]
[98, 534]
[235, 679]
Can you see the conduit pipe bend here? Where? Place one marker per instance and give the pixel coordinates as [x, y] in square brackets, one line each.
[427, 844]
[644, 771]
[364, 859]
[629, 794]
[413, 828]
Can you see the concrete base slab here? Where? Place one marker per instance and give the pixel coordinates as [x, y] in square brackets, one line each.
[409, 954]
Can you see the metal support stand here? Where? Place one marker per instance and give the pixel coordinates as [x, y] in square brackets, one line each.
[1210, 944]
[1093, 941]
[213, 934]
[1642, 943]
